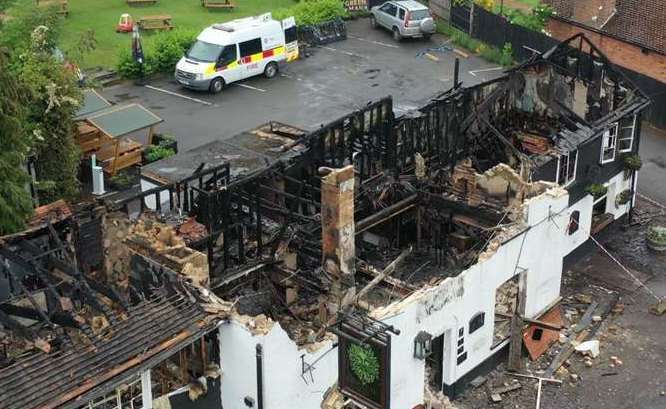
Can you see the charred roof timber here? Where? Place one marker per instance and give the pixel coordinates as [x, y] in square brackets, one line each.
[289, 232]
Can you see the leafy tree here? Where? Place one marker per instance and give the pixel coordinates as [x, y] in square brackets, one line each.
[54, 99]
[15, 201]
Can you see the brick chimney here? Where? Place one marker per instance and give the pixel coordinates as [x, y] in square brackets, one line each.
[337, 227]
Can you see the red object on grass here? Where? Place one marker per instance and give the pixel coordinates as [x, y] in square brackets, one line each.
[125, 24]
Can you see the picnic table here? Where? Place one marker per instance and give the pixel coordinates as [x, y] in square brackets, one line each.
[158, 22]
[220, 4]
[62, 6]
[138, 2]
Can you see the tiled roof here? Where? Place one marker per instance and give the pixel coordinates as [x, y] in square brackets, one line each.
[638, 21]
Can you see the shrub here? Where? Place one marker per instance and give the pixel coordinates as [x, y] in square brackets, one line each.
[633, 162]
[506, 56]
[122, 180]
[596, 190]
[461, 39]
[308, 12]
[161, 53]
[155, 152]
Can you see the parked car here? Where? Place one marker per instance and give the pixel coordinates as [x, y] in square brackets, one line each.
[405, 18]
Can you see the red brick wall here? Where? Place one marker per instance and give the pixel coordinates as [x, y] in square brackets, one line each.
[627, 55]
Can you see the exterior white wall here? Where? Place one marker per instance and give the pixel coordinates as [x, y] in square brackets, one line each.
[446, 308]
[616, 185]
[284, 385]
[150, 201]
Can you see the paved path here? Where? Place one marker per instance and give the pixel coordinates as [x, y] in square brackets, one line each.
[652, 177]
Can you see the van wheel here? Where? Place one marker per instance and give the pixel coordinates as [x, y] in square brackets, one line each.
[216, 85]
[396, 34]
[271, 70]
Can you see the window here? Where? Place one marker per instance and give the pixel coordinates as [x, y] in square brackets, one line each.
[401, 14]
[462, 358]
[574, 222]
[290, 35]
[476, 322]
[390, 9]
[203, 51]
[228, 55]
[608, 142]
[625, 139]
[566, 168]
[250, 47]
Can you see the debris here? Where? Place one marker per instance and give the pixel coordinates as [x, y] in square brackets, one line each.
[609, 373]
[196, 389]
[574, 377]
[583, 298]
[507, 388]
[495, 398]
[596, 318]
[659, 308]
[431, 57]
[588, 363]
[615, 361]
[589, 348]
[618, 309]
[461, 53]
[478, 381]
[42, 345]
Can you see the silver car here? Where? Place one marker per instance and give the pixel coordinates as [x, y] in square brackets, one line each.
[405, 18]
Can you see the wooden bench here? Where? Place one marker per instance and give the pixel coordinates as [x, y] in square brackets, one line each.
[140, 2]
[217, 4]
[155, 22]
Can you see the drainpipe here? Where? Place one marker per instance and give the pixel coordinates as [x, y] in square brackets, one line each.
[634, 176]
[260, 377]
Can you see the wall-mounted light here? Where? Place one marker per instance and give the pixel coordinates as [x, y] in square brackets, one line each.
[422, 345]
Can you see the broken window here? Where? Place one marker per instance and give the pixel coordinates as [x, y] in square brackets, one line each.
[566, 168]
[626, 135]
[574, 221]
[608, 143]
[477, 322]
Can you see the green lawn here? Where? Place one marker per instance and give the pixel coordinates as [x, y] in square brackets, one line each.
[102, 16]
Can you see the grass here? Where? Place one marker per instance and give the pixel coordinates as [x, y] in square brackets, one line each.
[524, 5]
[102, 17]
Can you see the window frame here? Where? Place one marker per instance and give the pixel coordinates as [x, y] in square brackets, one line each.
[480, 316]
[609, 136]
[404, 13]
[630, 139]
[558, 177]
[241, 51]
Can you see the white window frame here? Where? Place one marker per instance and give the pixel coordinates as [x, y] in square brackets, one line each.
[630, 139]
[558, 178]
[610, 139]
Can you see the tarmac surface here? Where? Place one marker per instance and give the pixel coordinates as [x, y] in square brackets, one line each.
[333, 81]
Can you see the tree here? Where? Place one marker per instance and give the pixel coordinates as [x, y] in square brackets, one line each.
[54, 99]
[15, 200]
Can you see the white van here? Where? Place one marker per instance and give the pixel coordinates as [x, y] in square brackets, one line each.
[232, 51]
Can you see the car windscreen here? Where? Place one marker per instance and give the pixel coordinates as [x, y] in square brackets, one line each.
[416, 15]
[203, 51]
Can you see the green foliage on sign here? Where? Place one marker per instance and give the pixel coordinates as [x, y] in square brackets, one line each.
[364, 363]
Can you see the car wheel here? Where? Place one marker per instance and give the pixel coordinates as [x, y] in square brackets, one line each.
[396, 34]
[216, 85]
[427, 37]
[373, 22]
[271, 70]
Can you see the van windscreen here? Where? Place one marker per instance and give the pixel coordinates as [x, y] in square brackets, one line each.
[202, 51]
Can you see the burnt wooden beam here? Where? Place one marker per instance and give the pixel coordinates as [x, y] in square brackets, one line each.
[387, 213]
[60, 318]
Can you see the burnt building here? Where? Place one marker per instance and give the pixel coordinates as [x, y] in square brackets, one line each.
[361, 262]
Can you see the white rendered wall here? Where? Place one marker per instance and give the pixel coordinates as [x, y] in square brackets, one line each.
[150, 200]
[284, 385]
[450, 305]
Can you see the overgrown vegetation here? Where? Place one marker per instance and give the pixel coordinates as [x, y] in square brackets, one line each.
[535, 20]
[51, 97]
[161, 53]
[122, 180]
[153, 153]
[503, 57]
[309, 12]
[597, 190]
[633, 162]
[15, 201]
[364, 363]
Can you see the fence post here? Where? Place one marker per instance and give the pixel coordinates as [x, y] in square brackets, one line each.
[471, 20]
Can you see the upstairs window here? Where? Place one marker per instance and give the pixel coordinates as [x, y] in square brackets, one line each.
[477, 322]
[566, 168]
[608, 143]
[625, 139]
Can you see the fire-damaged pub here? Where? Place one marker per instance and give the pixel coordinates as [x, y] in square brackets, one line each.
[357, 265]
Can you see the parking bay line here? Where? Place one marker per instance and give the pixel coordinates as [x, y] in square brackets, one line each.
[175, 94]
[339, 51]
[474, 72]
[250, 87]
[373, 42]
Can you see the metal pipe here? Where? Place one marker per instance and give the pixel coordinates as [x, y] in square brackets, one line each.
[260, 377]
